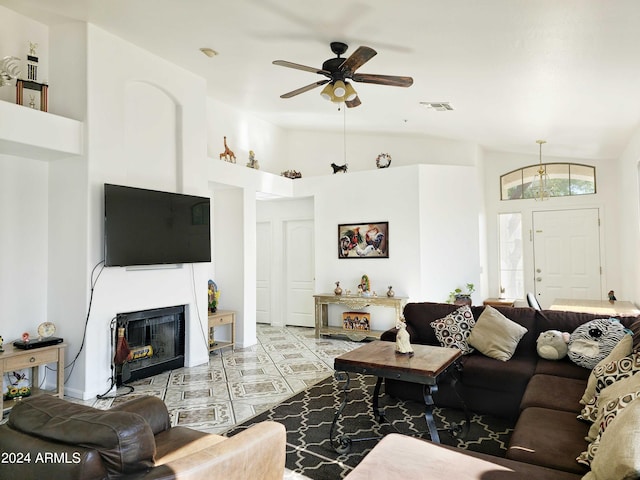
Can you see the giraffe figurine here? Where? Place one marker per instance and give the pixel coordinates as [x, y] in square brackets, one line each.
[228, 155]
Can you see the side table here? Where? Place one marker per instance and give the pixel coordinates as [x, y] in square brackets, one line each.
[217, 319]
[17, 359]
[499, 302]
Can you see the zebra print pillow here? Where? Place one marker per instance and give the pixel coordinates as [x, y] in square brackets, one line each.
[594, 340]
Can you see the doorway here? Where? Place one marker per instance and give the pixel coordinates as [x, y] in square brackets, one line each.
[566, 249]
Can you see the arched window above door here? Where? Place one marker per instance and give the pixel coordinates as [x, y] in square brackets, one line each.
[565, 179]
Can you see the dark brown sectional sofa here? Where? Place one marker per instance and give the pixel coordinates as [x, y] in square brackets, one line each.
[542, 396]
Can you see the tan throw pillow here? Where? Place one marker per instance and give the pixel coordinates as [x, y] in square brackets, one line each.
[495, 336]
[621, 350]
[612, 392]
[618, 454]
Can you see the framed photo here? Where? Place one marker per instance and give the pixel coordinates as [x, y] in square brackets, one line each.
[363, 240]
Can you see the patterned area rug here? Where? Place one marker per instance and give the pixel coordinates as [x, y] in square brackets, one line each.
[308, 415]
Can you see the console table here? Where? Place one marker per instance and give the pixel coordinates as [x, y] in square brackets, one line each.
[354, 302]
[221, 317]
[17, 359]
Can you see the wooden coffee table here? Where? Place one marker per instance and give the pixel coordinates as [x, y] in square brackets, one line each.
[379, 358]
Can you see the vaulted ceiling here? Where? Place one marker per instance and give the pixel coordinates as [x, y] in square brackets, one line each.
[514, 70]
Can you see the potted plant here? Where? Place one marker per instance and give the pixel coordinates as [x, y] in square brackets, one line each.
[458, 297]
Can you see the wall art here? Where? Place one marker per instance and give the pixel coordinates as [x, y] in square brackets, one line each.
[363, 240]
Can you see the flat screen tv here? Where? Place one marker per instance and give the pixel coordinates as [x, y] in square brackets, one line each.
[149, 227]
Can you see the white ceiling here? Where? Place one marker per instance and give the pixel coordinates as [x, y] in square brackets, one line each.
[567, 71]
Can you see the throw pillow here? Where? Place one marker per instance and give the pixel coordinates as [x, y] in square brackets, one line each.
[453, 330]
[635, 329]
[621, 350]
[610, 414]
[618, 454]
[609, 394]
[494, 335]
[594, 340]
[607, 375]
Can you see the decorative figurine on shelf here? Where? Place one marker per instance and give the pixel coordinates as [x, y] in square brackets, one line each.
[32, 63]
[214, 296]
[390, 292]
[612, 296]
[19, 387]
[383, 160]
[228, 154]
[365, 286]
[339, 168]
[253, 163]
[1, 342]
[403, 344]
[293, 174]
[338, 289]
[9, 69]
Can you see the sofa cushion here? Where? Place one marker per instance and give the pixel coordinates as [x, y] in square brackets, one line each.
[562, 368]
[550, 438]
[452, 331]
[124, 440]
[612, 462]
[556, 393]
[494, 335]
[491, 374]
[621, 350]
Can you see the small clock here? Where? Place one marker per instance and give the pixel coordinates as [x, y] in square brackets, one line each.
[46, 329]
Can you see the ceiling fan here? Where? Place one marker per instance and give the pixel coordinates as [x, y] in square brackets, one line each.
[338, 70]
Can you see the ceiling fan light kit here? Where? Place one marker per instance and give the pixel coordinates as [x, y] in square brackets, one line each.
[338, 70]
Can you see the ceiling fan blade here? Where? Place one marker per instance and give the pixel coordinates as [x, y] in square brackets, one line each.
[297, 66]
[304, 89]
[353, 103]
[358, 58]
[383, 79]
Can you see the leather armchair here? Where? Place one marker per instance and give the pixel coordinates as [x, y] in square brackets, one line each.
[47, 437]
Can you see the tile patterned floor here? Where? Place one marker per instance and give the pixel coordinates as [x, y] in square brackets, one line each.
[237, 385]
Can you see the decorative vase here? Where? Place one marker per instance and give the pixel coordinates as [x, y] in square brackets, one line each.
[338, 290]
[390, 292]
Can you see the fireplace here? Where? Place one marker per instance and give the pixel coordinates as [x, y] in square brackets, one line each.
[154, 340]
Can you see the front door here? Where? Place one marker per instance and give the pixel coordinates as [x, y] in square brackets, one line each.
[567, 255]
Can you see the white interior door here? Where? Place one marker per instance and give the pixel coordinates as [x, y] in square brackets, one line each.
[263, 272]
[567, 255]
[299, 273]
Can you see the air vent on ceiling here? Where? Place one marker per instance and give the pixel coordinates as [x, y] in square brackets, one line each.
[437, 106]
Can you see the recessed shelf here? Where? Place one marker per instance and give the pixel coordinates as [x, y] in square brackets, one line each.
[30, 133]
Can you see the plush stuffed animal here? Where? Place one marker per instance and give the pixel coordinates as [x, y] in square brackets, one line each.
[553, 344]
[594, 340]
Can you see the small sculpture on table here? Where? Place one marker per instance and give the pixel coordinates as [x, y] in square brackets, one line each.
[403, 343]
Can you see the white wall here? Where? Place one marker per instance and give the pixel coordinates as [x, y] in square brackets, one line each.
[146, 130]
[244, 132]
[312, 152]
[432, 212]
[628, 245]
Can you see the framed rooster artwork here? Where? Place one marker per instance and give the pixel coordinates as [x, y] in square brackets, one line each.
[363, 240]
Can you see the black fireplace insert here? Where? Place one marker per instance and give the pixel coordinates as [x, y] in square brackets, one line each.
[149, 342]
